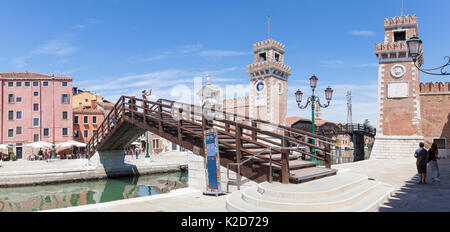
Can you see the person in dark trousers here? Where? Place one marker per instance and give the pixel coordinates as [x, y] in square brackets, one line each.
[422, 158]
[433, 156]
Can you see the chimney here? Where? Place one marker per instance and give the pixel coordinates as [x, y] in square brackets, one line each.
[94, 104]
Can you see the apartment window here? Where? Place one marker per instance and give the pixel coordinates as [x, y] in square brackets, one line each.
[94, 132]
[36, 107]
[64, 83]
[18, 130]
[65, 98]
[75, 120]
[35, 138]
[86, 134]
[64, 115]
[36, 94]
[11, 133]
[155, 143]
[35, 121]
[65, 132]
[10, 98]
[45, 83]
[19, 115]
[18, 99]
[27, 83]
[18, 84]
[10, 115]
[86, 120]
[10, 84]
[94, 119]
[46, 132]
[76, 133]
[35, 83]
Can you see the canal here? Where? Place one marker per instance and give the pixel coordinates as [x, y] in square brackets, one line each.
[46, 197]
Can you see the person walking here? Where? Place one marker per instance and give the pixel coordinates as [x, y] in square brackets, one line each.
[422, 157]
[145, 94]
[136, 150]
[433, 155]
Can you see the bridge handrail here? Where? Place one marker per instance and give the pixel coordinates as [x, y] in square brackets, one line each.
[269, 124]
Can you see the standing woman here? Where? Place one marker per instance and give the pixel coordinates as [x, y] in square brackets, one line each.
[432, 161]
[145, 94]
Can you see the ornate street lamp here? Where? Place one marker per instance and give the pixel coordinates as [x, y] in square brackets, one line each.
[147, 155]
[313, 100]
[415, 51]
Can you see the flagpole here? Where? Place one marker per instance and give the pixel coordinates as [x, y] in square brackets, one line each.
[402, 8]
[268, 22]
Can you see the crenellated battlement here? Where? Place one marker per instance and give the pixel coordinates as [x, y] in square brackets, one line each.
[267, 65]
[395, 46]
[267, 44]
[437, 87]
[400, 20]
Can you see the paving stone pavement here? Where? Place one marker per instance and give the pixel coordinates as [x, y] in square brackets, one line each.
[409, 196]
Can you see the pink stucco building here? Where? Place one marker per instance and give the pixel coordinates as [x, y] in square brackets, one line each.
[35, 107]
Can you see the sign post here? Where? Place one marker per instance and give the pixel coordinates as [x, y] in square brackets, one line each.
[212, 163]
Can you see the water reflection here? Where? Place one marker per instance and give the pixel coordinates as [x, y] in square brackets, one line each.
[37, 198]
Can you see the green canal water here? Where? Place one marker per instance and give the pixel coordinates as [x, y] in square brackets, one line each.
[45, 197]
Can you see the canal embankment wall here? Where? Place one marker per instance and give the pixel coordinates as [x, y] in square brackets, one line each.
[26, 173]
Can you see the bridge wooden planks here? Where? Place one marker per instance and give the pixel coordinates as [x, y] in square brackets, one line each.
[236, 140]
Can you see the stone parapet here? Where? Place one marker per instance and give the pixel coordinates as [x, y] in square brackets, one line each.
[395, 147]
[388, 47]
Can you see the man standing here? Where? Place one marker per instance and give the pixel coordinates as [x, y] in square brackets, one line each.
[422, 158]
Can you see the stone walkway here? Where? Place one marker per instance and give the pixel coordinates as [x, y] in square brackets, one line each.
[179, 200]
[409, 196]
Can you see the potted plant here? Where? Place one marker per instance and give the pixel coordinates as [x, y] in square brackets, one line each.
[12, 156]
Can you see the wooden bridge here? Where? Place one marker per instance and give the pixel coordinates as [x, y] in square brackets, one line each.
[257, 147]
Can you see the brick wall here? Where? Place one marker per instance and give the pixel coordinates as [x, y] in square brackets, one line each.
[435, 111]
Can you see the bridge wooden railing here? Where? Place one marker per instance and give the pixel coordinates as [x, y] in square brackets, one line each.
[188, 119]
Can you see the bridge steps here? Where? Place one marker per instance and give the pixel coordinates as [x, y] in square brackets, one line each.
[346, 192]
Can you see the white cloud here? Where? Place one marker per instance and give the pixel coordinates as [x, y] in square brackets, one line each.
[189, 51]
[55, 47]
[362, 33]
[344, 64]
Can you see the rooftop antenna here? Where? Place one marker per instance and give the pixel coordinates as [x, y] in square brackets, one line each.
[268, 24]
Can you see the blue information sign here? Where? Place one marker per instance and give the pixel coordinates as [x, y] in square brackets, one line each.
[212, 163]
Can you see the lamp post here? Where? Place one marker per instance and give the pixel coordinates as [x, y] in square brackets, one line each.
[415, 51]
[147, 155]
[313, 100]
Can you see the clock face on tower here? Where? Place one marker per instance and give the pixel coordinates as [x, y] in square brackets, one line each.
[259, 86]
[398, 71]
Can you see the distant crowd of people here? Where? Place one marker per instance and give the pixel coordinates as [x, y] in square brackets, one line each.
[429, 157]
[134, 151]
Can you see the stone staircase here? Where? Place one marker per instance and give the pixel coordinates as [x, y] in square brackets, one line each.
[345, 192]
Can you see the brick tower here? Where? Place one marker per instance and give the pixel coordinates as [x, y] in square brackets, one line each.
[398, 125]
[268, 82]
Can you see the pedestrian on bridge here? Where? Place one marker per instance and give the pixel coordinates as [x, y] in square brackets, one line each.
[432, 161]
[145, 94]
[422, 158]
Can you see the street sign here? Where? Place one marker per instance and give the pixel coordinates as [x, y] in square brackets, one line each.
[212, 163]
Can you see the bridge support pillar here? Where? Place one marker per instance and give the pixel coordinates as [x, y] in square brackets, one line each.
[111, 161]
[358, 147]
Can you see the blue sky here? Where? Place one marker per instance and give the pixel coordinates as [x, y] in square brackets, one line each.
[117, 47]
